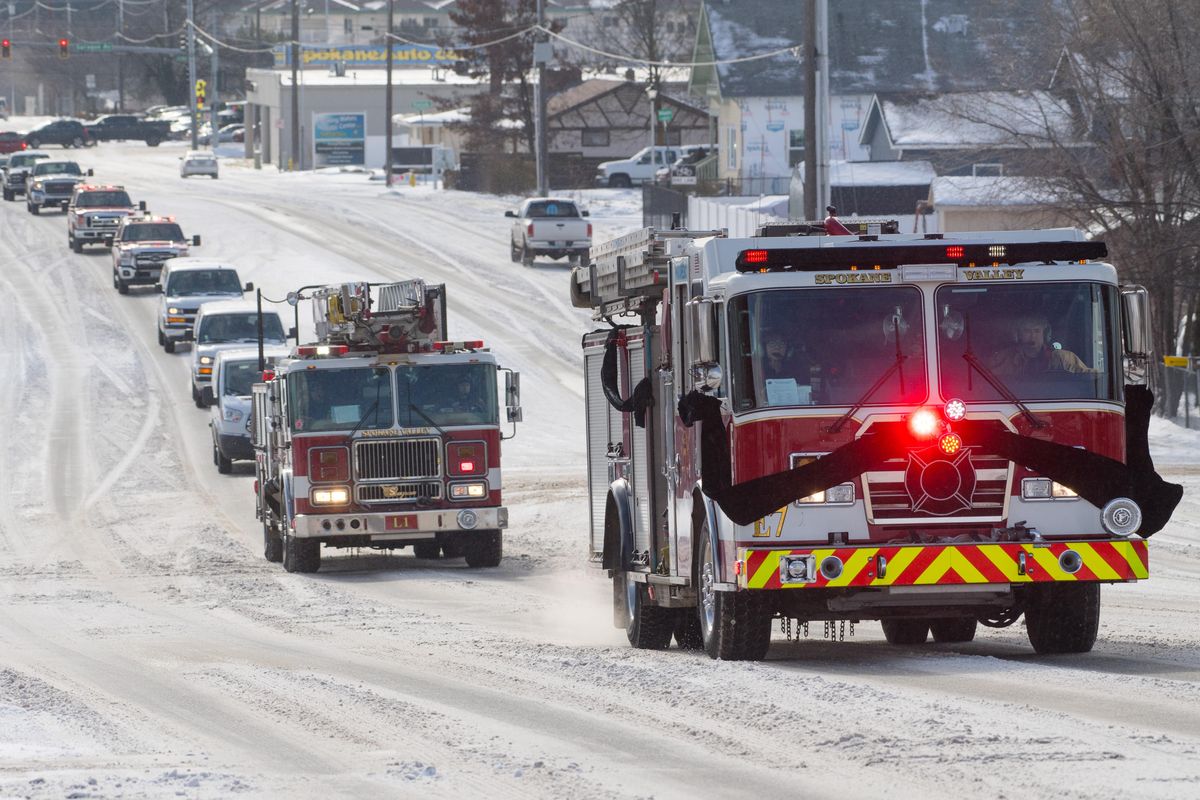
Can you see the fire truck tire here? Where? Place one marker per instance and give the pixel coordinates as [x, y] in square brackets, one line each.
[687, 630]
[301, 555]
[272, 543]
[647, 626]
[426, 550]
[954, 630]
[1063, 619]
[905, 631]
[484, 550]
[735, 626]
[452, 551]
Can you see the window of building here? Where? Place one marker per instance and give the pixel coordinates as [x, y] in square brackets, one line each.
[595, 138]
[795, 147]
[731, 162]
[348, 25]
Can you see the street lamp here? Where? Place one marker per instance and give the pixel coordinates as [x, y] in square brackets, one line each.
[652, 93]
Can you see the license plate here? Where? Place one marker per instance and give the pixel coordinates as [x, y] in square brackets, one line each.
[401, 522]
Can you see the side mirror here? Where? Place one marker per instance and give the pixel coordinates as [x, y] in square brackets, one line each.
[512, 396]
[206, 396]
[1135, 322]
[249, 287]
[585, 213]
[512, 214]
[196, 240]
[291, 333]
[701, 319]
[90, 173]
[141, 205]
[158, 287]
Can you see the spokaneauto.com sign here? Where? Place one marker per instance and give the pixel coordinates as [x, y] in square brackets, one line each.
[365, 55]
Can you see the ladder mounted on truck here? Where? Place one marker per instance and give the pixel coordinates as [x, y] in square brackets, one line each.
[406, 316]
[860, 227]
[622, 273]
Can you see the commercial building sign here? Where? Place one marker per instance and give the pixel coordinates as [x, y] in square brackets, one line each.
[359, 55]
[339, 140]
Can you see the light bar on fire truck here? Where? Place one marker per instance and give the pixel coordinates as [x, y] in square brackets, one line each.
[890, 256]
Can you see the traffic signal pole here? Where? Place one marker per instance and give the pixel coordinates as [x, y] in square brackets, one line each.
[191, 48]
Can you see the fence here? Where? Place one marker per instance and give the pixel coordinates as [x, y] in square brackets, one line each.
[1181, 394]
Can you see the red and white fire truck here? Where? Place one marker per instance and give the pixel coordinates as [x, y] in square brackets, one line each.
[382, 433]
[934, 431]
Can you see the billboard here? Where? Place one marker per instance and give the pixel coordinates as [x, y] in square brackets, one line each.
[365, 55]
[339, 139]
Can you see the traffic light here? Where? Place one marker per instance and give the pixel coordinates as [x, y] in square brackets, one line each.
[6, 49]
[64, 48]
[201, 87]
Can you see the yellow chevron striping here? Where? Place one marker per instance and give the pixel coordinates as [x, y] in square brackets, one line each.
[1049, 563]
[769, 567]
[897, 564]
[940, 566]
[853, 566]
[1004, 562]
[1128, 549]
[1094, 561]
[965, 569]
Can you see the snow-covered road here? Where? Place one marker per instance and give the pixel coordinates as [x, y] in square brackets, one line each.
[147, 649]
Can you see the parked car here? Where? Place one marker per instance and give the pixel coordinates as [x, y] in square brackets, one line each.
[234, 372]
[198, 162]
[65, 132]
[11, 142]
[19, 165]
[637, 169]
[548, 226]
[186, 284]
[117, 127]
[683, 171]
[51, 183]
[227, 325]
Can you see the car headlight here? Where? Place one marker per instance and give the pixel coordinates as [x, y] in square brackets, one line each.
[474, 490]
[37, 185]
[232, 415]
[330, 496]
[206, 359]
[172, 310]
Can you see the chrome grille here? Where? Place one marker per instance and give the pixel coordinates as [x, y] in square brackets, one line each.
[397, 492]
[103, 222]
[59, 187]
[154, 257]
[890, 500]
[391, 459]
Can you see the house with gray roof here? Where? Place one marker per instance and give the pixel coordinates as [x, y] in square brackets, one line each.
[933, 46]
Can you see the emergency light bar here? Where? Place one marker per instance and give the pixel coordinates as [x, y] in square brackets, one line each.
[811, 259]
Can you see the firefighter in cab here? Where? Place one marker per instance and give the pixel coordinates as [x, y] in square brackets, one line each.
[1032, 351]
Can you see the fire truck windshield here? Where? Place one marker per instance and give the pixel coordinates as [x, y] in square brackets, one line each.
[446, 395]
[827, 347]
[1043, 341]
[340, 399]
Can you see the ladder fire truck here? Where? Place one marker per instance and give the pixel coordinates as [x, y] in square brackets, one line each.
[934, 431]
[382, 433]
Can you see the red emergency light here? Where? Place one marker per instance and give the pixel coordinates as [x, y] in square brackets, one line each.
[924, 423]
[317, 350]
[754, 256]
[442, 347]
[955, 251]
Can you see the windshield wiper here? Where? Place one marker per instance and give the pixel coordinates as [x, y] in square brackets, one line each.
[897, 366]
[374, 406]
[973, 362]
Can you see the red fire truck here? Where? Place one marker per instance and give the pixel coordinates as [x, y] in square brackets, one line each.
[382, 433]
[934, 431]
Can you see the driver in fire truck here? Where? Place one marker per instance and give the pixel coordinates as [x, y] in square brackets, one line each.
[1031, 351]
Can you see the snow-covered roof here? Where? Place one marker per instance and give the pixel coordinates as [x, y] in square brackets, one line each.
[970, 119]
[992, 191]
[368, 76]
[932, 45]
[878, 173]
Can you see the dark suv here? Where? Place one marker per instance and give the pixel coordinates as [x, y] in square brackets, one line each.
[66, 132]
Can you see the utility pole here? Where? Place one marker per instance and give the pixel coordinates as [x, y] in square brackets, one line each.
[191, 47]
[816, 109]
[294, 155]
[387, 100]
[213, 82]
[120, 57]
[540, 57]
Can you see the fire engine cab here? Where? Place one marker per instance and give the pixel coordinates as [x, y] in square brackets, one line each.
[935, 431]
[382, 433]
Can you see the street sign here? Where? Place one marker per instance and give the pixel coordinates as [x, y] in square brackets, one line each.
[421, 105]
[92, 47]
[1177, 361]
[665, 114]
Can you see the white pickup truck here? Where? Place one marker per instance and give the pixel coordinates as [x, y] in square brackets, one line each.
[639, 168]
[549, 226]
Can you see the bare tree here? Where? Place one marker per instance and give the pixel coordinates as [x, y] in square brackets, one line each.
[649, 31]
[1128, 168]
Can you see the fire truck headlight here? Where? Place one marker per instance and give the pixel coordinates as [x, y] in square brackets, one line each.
[842, 493]
[330, 496]
[468, 491]
[467, 519]
[232, 415]
[1121, 517]
[1045, 489]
